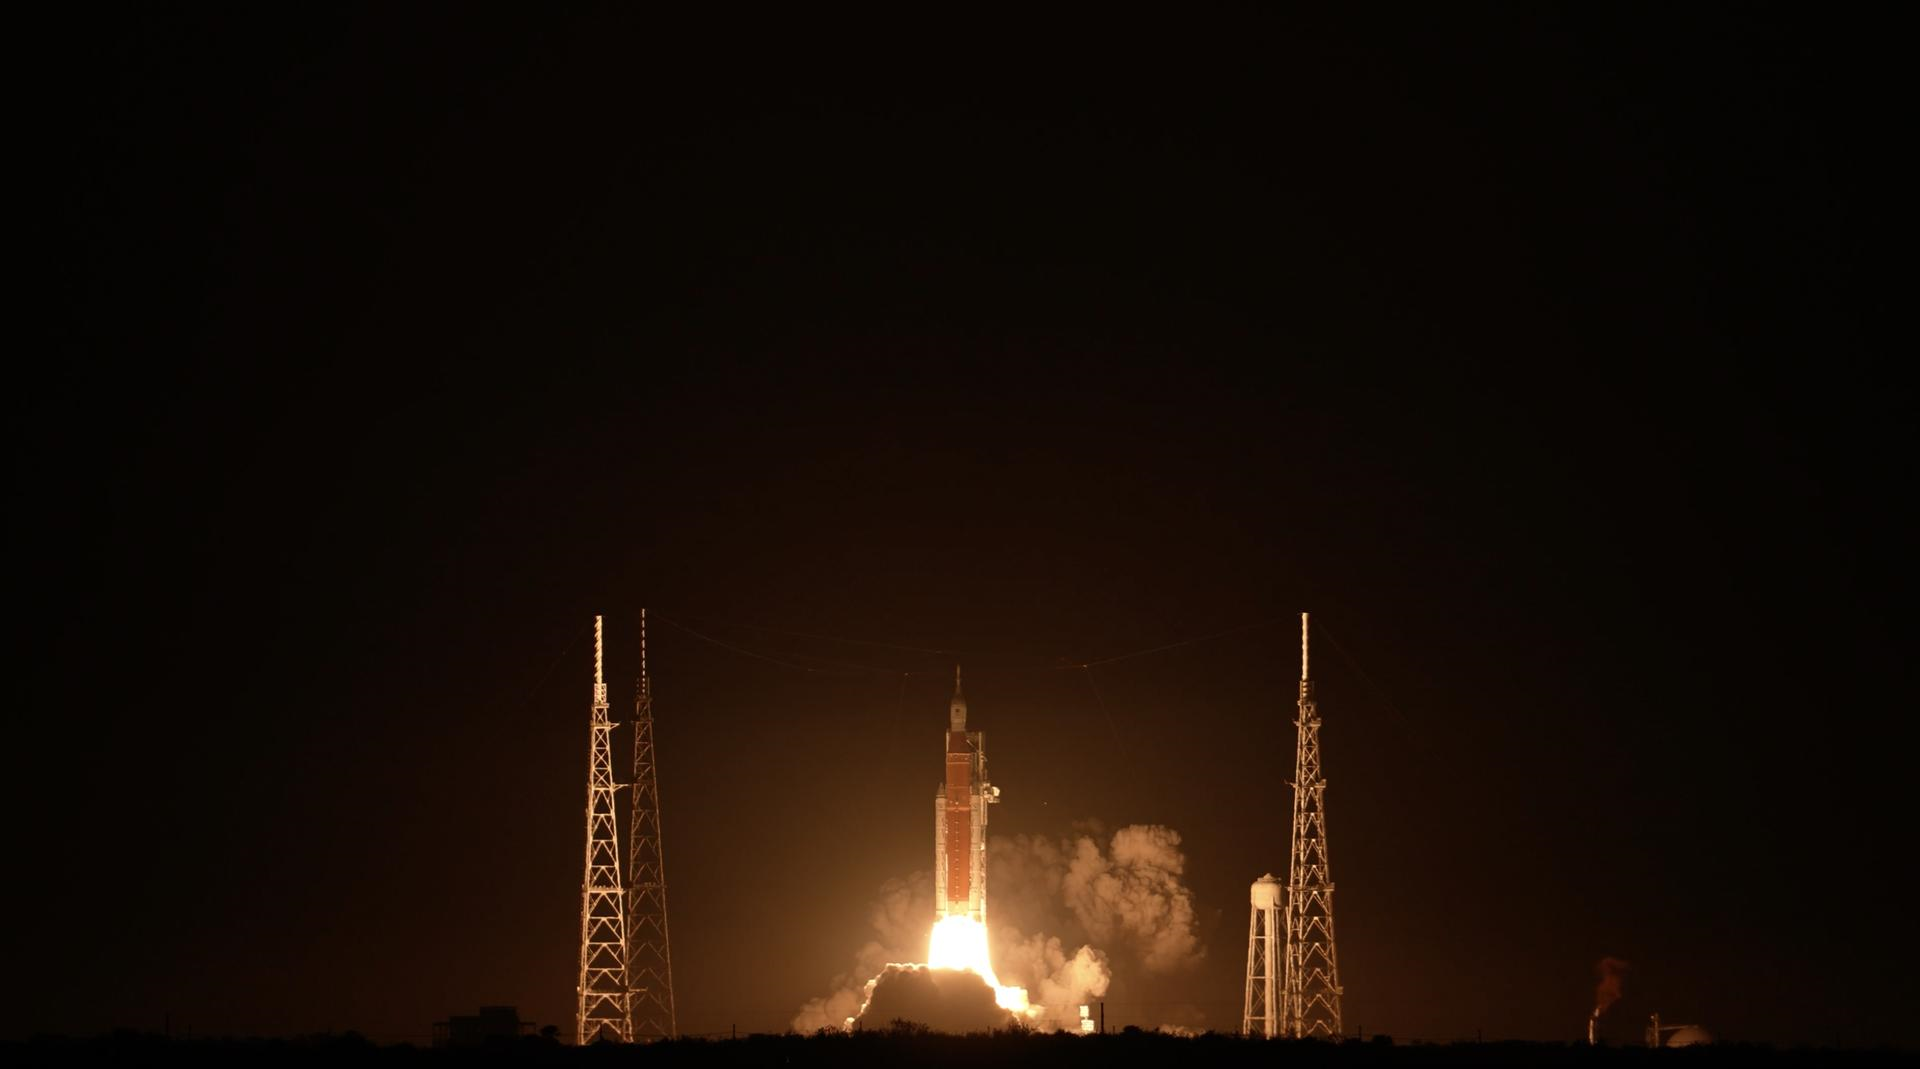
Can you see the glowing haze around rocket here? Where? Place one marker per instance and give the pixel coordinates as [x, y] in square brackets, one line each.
[960, 819]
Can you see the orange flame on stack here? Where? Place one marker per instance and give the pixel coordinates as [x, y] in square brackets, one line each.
[1611, 971]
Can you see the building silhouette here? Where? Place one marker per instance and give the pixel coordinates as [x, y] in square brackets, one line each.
[491, 1024]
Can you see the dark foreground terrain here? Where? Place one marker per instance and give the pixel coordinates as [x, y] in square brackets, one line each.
[912, 1047]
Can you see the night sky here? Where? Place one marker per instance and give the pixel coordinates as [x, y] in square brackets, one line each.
[1529, 353]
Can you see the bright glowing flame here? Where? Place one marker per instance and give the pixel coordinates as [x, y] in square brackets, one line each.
[960, 942]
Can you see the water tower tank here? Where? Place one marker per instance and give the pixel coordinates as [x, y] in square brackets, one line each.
[1266, 892]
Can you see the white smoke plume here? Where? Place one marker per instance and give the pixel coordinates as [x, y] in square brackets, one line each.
[1123, 898]
[1056, 983]
[1130, 897]
[901, 916]
[945, 1000]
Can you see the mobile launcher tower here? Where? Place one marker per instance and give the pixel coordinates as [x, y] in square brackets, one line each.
[960, 819]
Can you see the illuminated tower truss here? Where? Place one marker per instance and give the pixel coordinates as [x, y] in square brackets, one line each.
[1261, 1017]
[649, 961]
[1312, 1000]
[604, 1010]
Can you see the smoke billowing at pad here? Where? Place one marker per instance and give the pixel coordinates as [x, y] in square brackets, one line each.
[1068, 914]
[946, 1000]
[900, 918]
[1128, 895]
[1047, 895]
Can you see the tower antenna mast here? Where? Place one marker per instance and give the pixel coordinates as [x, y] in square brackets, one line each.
[1312, 1001]
[605, 1011]
[649, 960]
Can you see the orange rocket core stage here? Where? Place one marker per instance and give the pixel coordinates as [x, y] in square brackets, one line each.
[959, 837]
[960, 819]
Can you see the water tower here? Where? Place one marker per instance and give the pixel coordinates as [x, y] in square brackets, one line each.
[1262, 1017]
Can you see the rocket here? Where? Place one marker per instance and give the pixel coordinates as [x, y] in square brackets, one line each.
[960, 819]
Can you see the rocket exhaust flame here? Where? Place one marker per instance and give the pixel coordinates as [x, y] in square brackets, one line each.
[959, 938]
[957, 942]
[961, 943]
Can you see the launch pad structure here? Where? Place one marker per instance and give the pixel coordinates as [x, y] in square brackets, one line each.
[626, 966]
[649, 957]
[1308, 1003]
[625, 991]
[1311, 1006]
[604, 1009]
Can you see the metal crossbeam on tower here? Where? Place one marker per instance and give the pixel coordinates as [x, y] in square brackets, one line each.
[649, 959]
[1312, 1005]
[604, 1009]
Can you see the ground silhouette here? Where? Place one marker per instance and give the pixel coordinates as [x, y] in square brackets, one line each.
[913, 1044]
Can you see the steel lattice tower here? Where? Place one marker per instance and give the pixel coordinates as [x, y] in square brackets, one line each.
[604, 1009]
[1312, 1006]
[649, 961]
[1261, 1016]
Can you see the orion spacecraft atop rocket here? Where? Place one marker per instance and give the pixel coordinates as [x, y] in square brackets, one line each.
[960, 819]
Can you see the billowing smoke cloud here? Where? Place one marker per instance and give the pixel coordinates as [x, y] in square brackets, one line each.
[1119, 899]
[1057, 983]
[1129, 897]
[901, 916]
[1611, 971]
[945, 1000]
[1136, 893]
[830, 1011]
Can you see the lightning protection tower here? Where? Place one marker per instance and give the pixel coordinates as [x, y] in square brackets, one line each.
[604, 1010]
[1312, 1006]
[1261, 1017]
[649, 962]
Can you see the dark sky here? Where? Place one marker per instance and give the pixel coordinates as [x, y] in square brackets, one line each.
[1530, 353]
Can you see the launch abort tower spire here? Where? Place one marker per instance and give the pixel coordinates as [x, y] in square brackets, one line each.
[1261, 1016]
[649, 963]
[604, 1011]
[1312, 1006]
